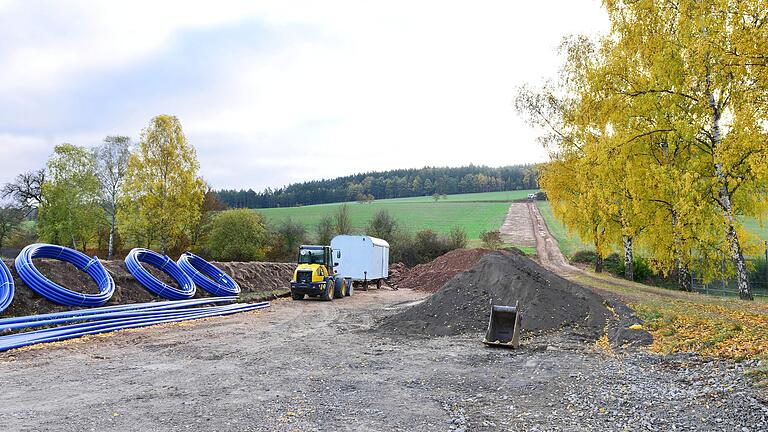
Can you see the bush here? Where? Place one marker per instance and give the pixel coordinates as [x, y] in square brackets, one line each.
[342, 221]
[325, 230]
[423, 247]
[237, 235]
[457, 238]
[429, 245]
[491, 239]
[402, 249]
[584, 257]
[382, 225]
[614, 263]
[285, 240]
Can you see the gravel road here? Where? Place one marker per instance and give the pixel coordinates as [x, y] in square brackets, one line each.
[316, 366]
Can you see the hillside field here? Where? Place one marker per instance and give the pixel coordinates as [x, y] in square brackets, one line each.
[475, 212]
[570, 243]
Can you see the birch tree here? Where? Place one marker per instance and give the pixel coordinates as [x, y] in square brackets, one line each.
[111, 164]
[163, 190]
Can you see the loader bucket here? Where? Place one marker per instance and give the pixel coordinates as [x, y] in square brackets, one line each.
[503, 326]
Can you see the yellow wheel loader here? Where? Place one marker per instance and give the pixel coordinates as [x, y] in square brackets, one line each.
[315, 275]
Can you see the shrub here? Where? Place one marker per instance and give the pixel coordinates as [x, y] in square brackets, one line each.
[402, 248]
[237, 235]
[491, 239]
[429, 245]
[457, 238]
[325, 230]
[342, 221]
[584, 257]
[286, 239]
[382, 225]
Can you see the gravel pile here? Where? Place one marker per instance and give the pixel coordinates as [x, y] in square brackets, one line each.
[547, 301]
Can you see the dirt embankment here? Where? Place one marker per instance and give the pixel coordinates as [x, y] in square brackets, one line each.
[431, 276]
[257, 280]
[547, 301]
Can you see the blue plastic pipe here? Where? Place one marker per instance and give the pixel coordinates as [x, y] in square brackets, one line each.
[6, 286]
[57, 293]
[133, 306]
[207, 276]
[78, 330]
[168, 307]
[162, 262]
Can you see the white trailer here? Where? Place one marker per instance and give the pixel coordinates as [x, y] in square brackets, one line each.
[364, 259]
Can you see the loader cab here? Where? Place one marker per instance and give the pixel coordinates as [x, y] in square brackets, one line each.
[316, 256]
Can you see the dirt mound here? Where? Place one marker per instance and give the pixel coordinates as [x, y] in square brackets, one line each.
[547, 301]
[434, 274]
[257, 280]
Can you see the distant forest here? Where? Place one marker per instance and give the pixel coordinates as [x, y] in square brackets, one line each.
[401, 183]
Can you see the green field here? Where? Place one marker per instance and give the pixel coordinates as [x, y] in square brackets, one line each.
[569, 242]
[476, 212]
[753, 226]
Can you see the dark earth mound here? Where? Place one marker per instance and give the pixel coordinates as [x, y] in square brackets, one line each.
[257, 280]
[547, 301]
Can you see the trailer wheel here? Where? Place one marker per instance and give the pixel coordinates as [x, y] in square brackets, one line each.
[350, 287]
[365, 285]
[378, 283]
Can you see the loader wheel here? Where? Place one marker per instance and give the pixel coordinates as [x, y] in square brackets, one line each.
[350, 288]
[327, 294]
[339, 287]
[297, 296]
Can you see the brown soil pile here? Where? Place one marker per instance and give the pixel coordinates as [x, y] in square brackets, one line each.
[434, 274]
[547, 301]
[257, 280]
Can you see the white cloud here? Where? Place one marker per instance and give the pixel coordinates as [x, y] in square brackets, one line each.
[334, 87]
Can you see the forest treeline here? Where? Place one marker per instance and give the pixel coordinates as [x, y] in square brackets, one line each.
[401, 183]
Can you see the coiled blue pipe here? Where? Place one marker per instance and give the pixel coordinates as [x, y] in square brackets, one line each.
[6, 286]
[17, 323]
[77, 330]
[57, 293]
[161, 262]
[207, 276]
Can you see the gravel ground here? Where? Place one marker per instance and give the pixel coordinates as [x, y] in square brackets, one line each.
[311, 365]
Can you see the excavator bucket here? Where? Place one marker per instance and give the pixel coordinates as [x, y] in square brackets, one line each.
[503, 326]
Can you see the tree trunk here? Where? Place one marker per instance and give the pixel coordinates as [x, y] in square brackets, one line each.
[629, 259]
[745, 291]
[681, 268]
[111, 236]
[598, 263]
[765, 267]
[726, 198]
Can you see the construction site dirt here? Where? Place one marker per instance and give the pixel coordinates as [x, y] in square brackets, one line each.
[312, 365]
[403, 360]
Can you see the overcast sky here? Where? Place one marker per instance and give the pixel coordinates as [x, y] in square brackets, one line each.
[276, 92]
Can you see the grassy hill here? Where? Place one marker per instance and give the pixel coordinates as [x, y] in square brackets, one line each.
[571, 243]
[475, 212]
